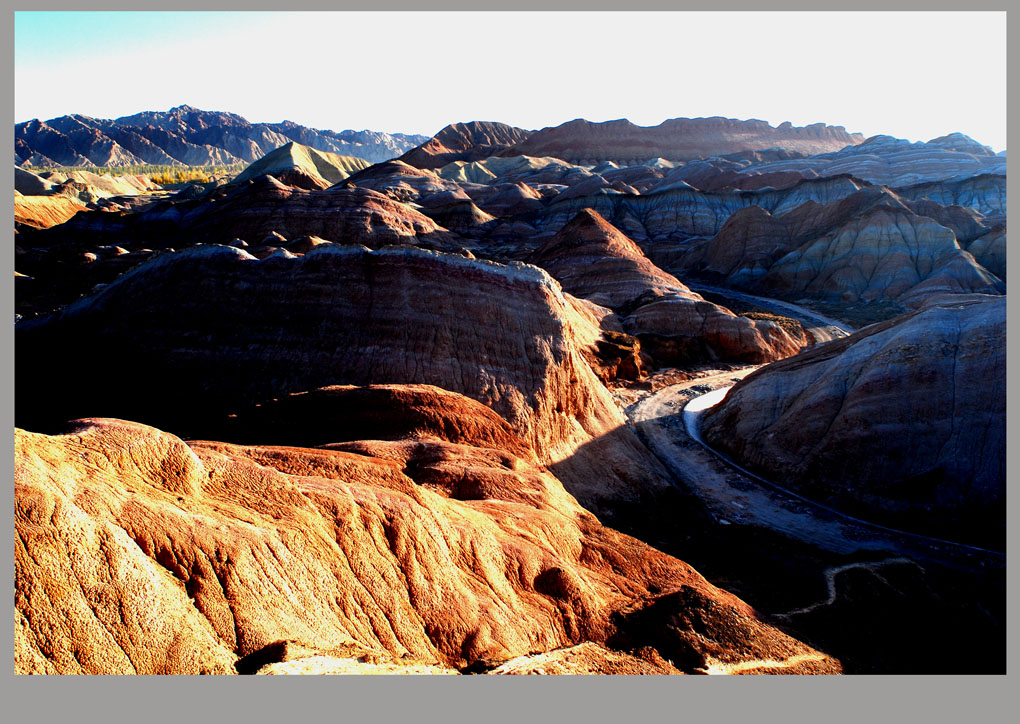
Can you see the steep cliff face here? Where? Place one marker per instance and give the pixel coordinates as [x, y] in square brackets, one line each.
[138, 553]
[902, 422]
[677, 139]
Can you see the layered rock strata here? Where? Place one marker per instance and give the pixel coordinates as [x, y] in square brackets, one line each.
[138, 553]
[220, 329]
[902, 422]
[593, 259]
[677, 139]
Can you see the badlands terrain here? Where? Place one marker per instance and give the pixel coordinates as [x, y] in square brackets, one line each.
[709, 397]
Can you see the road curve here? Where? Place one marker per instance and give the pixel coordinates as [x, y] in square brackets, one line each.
[734, 495]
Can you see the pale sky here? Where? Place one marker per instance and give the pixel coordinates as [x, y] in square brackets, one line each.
[912, 75]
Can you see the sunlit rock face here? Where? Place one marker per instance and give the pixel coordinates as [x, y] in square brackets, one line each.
[902, 422]
[139, 553]
[298, 165]
[593, 259]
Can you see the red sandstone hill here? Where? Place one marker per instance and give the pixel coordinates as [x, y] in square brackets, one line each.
[677, 139]
[139, 553]
[464, 142]
[250, 211]
[221, 329]
[592, 259]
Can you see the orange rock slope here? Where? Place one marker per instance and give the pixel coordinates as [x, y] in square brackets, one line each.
[594, 260]
[137, 552]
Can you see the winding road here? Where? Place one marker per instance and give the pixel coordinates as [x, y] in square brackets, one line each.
[667, 421]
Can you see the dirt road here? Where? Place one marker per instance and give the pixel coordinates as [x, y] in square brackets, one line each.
[734, 495]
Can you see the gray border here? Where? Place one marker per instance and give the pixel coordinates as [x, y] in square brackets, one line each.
[913, 698]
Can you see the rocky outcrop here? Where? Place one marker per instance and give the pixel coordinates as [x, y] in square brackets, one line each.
[456, 211]
[677, 139]
[594, 260]
[100, 185]
[42, 212]
[402, 182]
[46, 200]
[677, 331]
[304, 167]
[138, 553]
[464, 142]
[591, 258]
[506, 199]
[902, 423]
[504, 169]
[30, 184]
[185, 136]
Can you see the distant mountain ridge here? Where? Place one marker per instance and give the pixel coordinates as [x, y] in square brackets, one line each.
[677, 139]
[186, 136]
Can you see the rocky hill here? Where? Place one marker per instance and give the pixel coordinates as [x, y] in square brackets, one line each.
[464, 142]
[594, 260]
[903, 422]
[224, 329]
[355, 413]
[139, 553]
[302, 166]
[868, 245]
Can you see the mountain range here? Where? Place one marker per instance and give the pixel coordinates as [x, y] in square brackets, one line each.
[185, 136]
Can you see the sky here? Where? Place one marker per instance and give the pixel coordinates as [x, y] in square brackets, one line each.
[907, 74]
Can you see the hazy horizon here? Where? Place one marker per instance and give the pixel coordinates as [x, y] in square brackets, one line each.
[646, 67]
